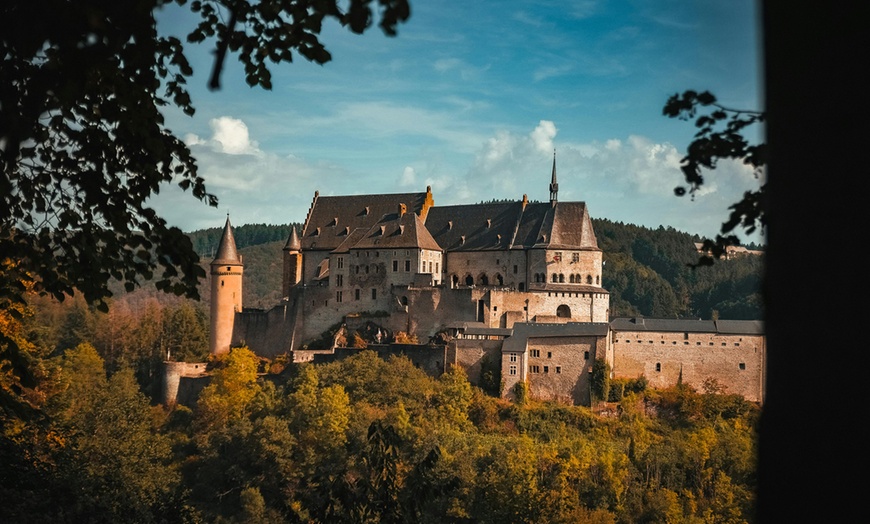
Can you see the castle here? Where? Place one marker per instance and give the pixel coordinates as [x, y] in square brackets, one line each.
[515, 283]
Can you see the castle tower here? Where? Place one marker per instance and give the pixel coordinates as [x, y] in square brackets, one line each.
[292, 263]
[554, 186]
[226, 291]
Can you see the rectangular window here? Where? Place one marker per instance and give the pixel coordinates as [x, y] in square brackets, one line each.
[395, 265]
[356, 294]
[340, 262]
[338, 296]
[546, 369]
[436, 267]
[658, 366]
[575, 257]
[558, 369]
[513, 357]
[585, 355]
[513, 370]
[339, 280]
[742, 365]
[549, 354]
[536, 369]
[374, 294]
[515, 269]
[535, 352]
[407, 266]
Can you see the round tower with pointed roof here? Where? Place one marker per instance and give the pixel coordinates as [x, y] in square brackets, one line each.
[226, 291]
[292, 263]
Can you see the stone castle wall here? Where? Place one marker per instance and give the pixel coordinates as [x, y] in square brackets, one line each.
[735, 361]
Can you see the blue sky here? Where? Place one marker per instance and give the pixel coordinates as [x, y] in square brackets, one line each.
[472, 98]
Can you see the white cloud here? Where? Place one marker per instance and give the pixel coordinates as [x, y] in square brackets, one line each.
[543, 135]
[409, 177]
[232, 136]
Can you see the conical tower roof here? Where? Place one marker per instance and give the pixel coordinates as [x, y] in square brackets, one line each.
[227, 252]
[293, 243]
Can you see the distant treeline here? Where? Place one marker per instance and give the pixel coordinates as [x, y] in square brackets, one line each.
[648, 272]
[205, 241]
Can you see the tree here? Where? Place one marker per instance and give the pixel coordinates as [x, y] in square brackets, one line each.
[83, 143]
[721, 135]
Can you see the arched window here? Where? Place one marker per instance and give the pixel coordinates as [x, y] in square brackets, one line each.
[483, 280]
[571, 279]
[404, 301]
[598, 280]
[588, 279]
[555, 277]
[561, 277]
[455, 280]
[499, 279]
[563, 311]
[469, 280]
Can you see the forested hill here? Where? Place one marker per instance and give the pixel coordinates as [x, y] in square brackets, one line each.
[205, 241]
[646, 271]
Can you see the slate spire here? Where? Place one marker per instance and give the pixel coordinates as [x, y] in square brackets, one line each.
[554, 186]
[293, 243]
[227, 252]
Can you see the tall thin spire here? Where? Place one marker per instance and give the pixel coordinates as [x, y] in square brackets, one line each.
[554, 186]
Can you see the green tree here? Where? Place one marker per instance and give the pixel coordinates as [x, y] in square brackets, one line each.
[721, 135]
[84, 142]
[185, 333]
[232, 388]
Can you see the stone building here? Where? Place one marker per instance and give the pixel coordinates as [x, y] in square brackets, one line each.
[516, 285]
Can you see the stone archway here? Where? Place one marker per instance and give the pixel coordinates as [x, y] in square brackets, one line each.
[563, 311]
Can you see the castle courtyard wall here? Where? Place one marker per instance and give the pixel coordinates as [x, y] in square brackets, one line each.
[735, 361]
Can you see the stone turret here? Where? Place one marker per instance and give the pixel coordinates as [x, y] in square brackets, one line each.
[226, 291]
[292, 263]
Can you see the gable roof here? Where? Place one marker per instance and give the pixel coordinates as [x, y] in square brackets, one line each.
[512, 225]
[332, 218]
[406, 231]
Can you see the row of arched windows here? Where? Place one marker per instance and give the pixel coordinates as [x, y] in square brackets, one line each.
[559, 278]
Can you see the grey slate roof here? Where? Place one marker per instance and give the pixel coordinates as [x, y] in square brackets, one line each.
[747, 327]
[293, 243]
[512, 225]
[227, 254]
[407, 231]
[332, 218]
[523, 331]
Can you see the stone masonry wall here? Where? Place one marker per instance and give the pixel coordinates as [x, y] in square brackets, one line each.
[735, 361]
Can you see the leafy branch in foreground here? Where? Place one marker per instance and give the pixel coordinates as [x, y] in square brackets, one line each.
[721, 136]
[83, 141]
